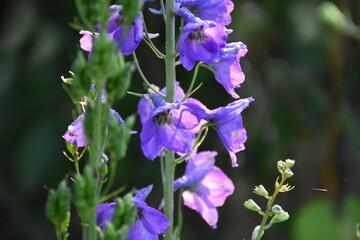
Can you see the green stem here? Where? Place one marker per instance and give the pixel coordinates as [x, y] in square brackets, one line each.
[143, 76]
[170, 94]
[189, 91]
[268, 209]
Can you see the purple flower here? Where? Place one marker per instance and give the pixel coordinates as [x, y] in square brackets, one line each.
[86, 40]
[149, 222]
[208, 187]
[200, 41]
[75, 133]
[228, 124]
[129, 40]
[228, 70]
[167, 125]
[215, 10]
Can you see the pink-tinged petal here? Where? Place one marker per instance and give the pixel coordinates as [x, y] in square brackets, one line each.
[150, 144]
[208, 213]
[139, 232]
[174, 138]
[86, 41]
[218, 185]
[198, 166]
[233, 159]
[154, 221]
[75, 133]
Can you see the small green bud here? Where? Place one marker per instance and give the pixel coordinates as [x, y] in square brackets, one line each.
[261, 191]
[110, 232]
[280, 217]
[288, 173]
[289, 163]
[281, 166]
[276, 209]
[251, 205]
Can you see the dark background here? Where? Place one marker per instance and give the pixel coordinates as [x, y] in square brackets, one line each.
[304, 75]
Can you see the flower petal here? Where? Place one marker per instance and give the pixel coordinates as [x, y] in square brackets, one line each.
[150, 144]
[154, 221]
[174, 138]
[139, 232]
[218, 185]
[208, 213]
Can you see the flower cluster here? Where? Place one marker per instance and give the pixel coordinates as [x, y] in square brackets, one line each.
[203, 39]
[179, 126]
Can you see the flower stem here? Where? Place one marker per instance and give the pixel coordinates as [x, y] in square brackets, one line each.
[268, 209]
[170, 94]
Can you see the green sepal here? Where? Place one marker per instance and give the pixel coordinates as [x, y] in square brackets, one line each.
[118, 81]
[102, 53]
[72, 148]
[85, 193]
[57, 205]
[124, 213]
[118, 137]
[82, 81]
[110, 232]
[90, 119]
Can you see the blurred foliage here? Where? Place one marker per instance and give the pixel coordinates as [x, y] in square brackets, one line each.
[303, 74]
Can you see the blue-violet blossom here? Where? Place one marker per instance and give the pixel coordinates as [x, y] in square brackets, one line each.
[149, 222]
[229, 126]
[228, 70]
[207, 187]
[213, 10]
[167, 125]
[127, 41]
[200, 40]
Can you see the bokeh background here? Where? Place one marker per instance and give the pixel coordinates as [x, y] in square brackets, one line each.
[303, 69]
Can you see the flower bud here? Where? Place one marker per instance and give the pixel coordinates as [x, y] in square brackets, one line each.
[289, 163]
[281, 166]
[288, 173]
[280, 217]
[256, 232]
[261, 191]
[251, 205]
[276, 209]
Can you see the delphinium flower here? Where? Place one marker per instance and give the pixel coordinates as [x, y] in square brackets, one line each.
[227, 122]
[200, 40]
[149, 222]
[127, 41]
[167, 125]
[206, 186]
[228, 70]
[75, 133]
[214, 10]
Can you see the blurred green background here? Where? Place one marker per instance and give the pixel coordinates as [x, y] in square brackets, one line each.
[302, 70]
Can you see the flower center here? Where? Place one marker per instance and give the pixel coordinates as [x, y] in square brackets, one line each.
[164, 118]
[198, 35]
